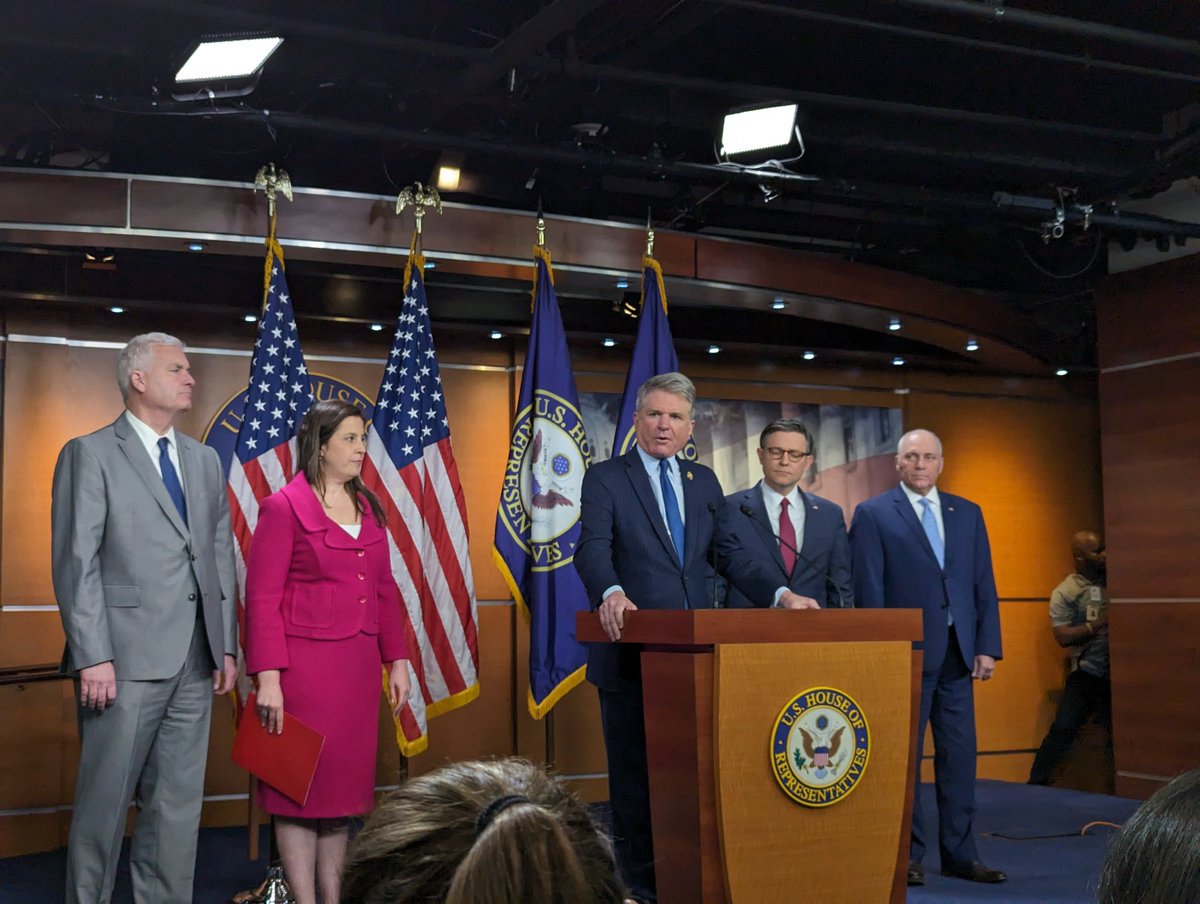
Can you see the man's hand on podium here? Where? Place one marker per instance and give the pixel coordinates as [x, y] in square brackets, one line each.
[790, 600]
[612, 613]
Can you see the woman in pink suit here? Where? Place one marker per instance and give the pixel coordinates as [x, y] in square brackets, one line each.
[322, 613]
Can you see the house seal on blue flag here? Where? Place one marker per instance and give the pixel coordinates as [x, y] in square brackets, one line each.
[539, 502]
[820, 746]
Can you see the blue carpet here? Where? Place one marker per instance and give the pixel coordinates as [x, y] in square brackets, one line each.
[1012, 822]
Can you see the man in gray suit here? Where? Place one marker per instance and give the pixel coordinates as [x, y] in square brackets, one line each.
[144, 575]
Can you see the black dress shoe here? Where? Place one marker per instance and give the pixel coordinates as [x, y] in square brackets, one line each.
[973, 871]
[916, 874]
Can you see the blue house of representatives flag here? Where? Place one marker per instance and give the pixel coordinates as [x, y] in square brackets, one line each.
[537, 525]
[653, 354]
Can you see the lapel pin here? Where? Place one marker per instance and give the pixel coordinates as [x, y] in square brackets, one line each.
[689, 475]
[949, 508]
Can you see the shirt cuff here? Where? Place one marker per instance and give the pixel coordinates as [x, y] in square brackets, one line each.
[613, 589]
[778, 593]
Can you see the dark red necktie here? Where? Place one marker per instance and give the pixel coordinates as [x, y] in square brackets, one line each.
[787, 538]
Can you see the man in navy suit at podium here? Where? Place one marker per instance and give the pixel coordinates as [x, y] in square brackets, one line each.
[916, 548]
[649, 520]
[798, 536]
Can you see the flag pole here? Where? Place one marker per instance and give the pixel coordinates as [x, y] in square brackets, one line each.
[548, 719]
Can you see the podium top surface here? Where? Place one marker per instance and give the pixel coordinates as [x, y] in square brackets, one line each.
[707, 627]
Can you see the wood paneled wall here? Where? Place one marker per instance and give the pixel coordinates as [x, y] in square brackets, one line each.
[1149, 343]
[1024, 449]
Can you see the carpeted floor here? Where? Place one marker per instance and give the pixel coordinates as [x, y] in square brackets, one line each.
[1031, 833]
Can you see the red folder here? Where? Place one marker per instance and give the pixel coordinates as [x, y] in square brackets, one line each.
[284, 761]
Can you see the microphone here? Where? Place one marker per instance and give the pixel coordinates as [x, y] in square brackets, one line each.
[712, 556]
[829, 582]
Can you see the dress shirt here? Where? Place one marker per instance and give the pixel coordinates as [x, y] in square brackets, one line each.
[774, 502]
[150, 439]
[935, 505]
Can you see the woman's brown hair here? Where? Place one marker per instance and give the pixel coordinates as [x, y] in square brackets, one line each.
[319, 424]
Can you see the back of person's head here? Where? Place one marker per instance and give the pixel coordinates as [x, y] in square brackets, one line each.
[500, 831]
[1155, 858]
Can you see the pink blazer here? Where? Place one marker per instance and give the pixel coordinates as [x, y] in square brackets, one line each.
[307, 577]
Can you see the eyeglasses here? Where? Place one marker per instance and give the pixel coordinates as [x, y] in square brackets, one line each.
[792, 454]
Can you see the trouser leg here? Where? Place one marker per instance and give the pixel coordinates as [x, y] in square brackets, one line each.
[629, 788]
[952, 717]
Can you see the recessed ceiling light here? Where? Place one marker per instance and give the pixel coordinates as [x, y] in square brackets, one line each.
[972, 344]
[1061, 372]
[778, 304]
[809, 354]
[894, 324]
[622, 284]
[250, 318]
[195, 246]
[448, 177]
[430, 265]
[227, 59]
[897, 361]
[117, 309]
[714, 349]
[609, 342]
[376, 327]
[496, 334]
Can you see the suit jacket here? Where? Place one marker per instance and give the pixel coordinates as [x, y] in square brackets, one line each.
[895, 566]
[130, 577]
[822, 570]
[307, 577]
[623, 540]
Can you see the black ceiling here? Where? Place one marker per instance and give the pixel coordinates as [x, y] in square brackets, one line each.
[939, 133]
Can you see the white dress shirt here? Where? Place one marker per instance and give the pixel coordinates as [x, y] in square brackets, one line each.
[150, 438]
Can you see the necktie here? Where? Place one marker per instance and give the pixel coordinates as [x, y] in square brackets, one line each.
[671, 507]
[787, 538]
[931, 531]
[171, 478]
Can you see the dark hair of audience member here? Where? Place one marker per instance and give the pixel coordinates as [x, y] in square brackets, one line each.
[499, 831]
[1155, 858]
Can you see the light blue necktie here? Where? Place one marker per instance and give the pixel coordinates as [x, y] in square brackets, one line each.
[931, 531]
[671, 507]
[171, 478]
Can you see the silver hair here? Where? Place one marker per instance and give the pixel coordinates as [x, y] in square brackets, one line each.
[136, 356]
[936, 439]
[675, 383]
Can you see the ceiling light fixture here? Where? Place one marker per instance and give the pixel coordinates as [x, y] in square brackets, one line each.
[714, 349]
[250, 318]
[897, 361]
[376, 327]
[763, 129]
[496, 334]
[622, 283]
[1061, 372]
[778, 304]
[222, 58]
[609, 342]
[809, 355]
[448, 178]
[195, 246]
[117, 309]
[894, 324]
[972, 344]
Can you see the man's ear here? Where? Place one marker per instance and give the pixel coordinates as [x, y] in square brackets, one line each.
[137, 380]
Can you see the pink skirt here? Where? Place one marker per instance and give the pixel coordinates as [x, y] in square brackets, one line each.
[334, 686]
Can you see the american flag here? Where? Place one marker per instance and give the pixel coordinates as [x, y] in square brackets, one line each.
[410, 467]
[277, 397]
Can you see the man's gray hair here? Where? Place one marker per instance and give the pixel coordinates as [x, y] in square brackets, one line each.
[675, 383]
[136, 356]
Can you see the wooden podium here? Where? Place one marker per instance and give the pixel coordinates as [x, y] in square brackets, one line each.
[716, 683]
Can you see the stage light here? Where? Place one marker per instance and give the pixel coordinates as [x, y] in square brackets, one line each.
[897, 361]
[895, 324]
[972, 344]
[222, 59]
[758, 130]
[809, 355]
[714, 349]
[448, 177]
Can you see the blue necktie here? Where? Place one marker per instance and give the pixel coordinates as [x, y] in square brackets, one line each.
[931, 531]
[171, 478]
[671, 507]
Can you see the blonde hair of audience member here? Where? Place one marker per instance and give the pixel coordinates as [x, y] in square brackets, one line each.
[499, 831]
[1155, 858]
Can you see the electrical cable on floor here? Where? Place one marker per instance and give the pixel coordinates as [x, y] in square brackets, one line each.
[1081, 832]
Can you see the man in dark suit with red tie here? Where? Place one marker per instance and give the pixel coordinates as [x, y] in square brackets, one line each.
[798, 536]
[648, 522]
[916, 548]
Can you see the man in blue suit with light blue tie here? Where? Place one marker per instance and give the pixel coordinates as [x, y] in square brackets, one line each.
[916, 548]
[798, 536]
[648, 522]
